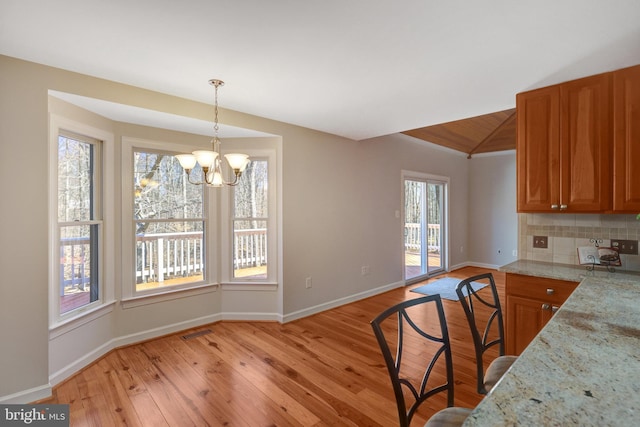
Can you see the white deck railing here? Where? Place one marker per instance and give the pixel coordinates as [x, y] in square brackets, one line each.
[412, 237]
[168, 255]
[174, 255]
[164, 256]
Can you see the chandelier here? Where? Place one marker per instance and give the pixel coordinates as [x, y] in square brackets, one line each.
[210, 160]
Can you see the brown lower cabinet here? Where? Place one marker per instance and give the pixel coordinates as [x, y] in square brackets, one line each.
[530, 303]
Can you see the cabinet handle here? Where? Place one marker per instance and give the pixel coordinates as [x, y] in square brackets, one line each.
[554, 206]
[546, 306]
[550, 291]
[554, 308]
[563, 207]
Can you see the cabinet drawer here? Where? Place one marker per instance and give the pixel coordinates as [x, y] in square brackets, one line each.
[548, 290]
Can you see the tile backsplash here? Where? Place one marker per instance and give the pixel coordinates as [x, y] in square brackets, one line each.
[568, 231]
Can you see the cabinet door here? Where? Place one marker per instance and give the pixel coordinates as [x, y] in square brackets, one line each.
[585, 144]
[525, 318]
[538, 150]
[626, 140]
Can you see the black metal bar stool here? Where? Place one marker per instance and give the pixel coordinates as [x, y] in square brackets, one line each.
[492, 329]
[420, 338]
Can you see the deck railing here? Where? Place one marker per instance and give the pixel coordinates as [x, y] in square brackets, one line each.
[74, 263]
[168, 255]
[412, 237]
[249, 248]
[163, 256]
[173, 255]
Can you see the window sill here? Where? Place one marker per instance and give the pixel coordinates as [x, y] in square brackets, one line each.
[248, 286]
[168, 295]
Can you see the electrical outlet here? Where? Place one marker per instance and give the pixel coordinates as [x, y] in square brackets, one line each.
[307, 282]
[540, 242]
[365, 270]
[628, 247]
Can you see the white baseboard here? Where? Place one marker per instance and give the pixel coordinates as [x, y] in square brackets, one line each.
[457, 266]
[87, 359]
[474, 264]
[255, 317]
[340, 301]
[26, 396]
[482, 265]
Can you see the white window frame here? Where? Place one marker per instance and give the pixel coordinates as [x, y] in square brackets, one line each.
[130, 296]
[226, 241]
[106, 289]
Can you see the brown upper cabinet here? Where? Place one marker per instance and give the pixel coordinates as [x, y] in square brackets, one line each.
[564, 146]
[626, 140]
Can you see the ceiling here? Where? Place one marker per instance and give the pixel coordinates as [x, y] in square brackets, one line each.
[481, 134]
[357, 68]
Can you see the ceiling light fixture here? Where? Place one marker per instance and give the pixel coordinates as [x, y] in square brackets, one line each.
[210, 160]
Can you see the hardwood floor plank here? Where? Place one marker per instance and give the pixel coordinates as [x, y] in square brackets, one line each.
[236, 389]
[281, 391]
[190, 388]
[281, 376]
[324, 369]
[163, 394]
[326, 377]
[145, 407]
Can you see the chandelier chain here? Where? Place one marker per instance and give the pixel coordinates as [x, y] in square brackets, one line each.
[215, 127]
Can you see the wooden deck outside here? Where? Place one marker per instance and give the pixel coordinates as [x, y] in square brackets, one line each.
[412, 263]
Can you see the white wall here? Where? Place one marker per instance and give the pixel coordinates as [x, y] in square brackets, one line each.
[492, 216]
[338, 197]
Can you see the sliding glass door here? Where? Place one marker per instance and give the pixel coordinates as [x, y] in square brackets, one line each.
[424, 226]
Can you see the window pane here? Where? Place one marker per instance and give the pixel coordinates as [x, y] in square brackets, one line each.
[250, 249]
[250, 195]
[169, 253]
[250, 222]
[78, 266]
[78, 203]
[75, 180]
[161, 189]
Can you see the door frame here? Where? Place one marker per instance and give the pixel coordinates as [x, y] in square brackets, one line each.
[445, 247]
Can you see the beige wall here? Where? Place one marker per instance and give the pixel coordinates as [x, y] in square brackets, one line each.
[338, 198]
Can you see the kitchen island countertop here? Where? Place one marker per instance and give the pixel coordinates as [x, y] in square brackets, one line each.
[575, 273]
[583, 368]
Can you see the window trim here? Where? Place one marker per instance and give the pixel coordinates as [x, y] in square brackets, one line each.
[226, 242]
[59, 124]
[130, 296]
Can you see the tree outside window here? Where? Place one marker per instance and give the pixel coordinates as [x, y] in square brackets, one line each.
[168, 212]
[79, 221]
[250, 219]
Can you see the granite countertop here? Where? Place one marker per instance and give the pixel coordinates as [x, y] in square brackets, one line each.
[575, 273]
[583, 368]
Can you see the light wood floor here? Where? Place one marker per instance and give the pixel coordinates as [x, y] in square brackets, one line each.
[325, 369]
